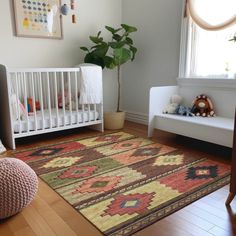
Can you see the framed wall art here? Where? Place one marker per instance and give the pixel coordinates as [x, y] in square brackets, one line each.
[38, 18]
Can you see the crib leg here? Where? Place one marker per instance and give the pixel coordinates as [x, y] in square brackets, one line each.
[98, 127]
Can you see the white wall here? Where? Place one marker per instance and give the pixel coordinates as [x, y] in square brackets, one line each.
[157, 61]
[28, 52]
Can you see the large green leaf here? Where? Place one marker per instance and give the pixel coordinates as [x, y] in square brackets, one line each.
[121, 55]
[133, 50]
[117, 37]
[129, 41]
[91, 58]
[84, 49]
[99, 33]
[112, 30]
[96, 39]
[109, 62]
[101, 50]
[117, 44]
[128, 28]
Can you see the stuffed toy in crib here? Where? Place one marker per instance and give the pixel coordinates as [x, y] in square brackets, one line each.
[31, 105]
[67, 101]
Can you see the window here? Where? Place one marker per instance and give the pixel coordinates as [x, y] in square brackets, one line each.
[209, 53]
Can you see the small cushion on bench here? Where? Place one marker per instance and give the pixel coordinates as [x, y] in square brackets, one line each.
[216, 122]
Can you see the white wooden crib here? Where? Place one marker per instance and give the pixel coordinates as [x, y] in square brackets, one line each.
[36, 101]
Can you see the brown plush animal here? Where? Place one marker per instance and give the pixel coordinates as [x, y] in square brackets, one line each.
[202, 106]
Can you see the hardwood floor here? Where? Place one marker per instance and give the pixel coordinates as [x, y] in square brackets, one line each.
[50, 215]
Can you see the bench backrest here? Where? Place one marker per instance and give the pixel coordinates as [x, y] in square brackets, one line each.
[223, 99]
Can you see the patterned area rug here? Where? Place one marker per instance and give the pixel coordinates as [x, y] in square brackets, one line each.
[123, 183]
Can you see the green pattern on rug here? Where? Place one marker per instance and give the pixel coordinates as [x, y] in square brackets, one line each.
[122, 183]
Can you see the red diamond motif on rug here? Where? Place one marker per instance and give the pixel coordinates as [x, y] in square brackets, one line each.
[99, 184]
[49, 151]
[129, 204]
[78, 172]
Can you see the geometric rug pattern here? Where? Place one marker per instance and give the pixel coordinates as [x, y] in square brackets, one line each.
[122, 183]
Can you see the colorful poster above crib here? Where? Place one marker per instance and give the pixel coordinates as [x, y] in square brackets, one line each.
[38, 18]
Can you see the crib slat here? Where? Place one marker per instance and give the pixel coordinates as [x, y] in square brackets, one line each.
[56, 98]
[49, 100]
[76, 98]
[25, 101]
[41, 99]
[63, 98]
[17, 101]
[69, 91]
[83, 110]
[89, 117]
[34, 101]
[95, 111]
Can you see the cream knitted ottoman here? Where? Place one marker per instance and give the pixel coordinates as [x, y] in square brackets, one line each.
[18, 186]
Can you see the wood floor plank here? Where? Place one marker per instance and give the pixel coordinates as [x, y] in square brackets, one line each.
[58, 225]
[218, 203]
[17, 222]
[215, 220]
[195, 220]
[37, 223]
[187, 226]
[162, 228]
[26, 231]
[208, 207]
[217, 231]
[5, 229]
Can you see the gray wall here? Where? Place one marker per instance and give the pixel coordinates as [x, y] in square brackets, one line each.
[158, 43]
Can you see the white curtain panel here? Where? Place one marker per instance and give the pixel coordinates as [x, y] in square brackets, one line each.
[212, 14]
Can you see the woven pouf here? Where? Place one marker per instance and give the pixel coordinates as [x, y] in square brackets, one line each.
[18, 186]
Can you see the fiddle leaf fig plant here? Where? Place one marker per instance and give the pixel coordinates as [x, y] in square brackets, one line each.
[112, 53]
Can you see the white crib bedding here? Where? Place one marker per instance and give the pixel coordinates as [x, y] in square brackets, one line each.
[70, 118]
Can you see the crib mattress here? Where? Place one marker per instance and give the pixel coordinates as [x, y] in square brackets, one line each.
[67, 119]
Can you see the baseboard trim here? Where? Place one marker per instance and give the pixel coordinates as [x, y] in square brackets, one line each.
[137, 117]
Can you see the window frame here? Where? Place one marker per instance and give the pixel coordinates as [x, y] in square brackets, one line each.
[185, 54]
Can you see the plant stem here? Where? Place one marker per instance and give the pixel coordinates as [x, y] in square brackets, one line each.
[118, 80]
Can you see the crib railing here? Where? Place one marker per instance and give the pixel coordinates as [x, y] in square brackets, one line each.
[45, 100]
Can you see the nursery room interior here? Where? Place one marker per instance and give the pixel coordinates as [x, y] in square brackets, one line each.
[118, 117]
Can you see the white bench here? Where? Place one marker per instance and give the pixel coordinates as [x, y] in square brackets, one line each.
[218, 130]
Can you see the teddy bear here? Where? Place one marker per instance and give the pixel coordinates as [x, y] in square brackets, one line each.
[175, 101]
[202, 106]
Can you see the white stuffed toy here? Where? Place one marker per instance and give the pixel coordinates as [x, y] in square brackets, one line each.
[175, 101]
